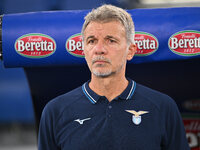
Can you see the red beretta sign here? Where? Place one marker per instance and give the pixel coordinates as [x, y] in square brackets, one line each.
[146, 43]
[35, 45]
[185, 43]
[74, 45]
[192, 128]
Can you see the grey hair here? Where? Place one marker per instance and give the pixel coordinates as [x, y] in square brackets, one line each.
[107, 13]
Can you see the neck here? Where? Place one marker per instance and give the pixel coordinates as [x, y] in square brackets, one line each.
[110, 87]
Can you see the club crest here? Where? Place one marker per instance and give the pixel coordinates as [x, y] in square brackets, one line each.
[136, 118]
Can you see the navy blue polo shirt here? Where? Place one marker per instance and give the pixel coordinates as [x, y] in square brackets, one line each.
[138, 119]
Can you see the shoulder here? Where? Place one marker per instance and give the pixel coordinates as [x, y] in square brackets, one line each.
[170, 121]
[57, 105]
[156, 98]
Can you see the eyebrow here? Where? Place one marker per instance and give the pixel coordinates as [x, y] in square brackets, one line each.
[107, 37]
[111, 37]
[90, 37]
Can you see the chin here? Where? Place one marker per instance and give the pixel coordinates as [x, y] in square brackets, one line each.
[102, 74]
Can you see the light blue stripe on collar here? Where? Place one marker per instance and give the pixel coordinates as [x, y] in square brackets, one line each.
[92, 99]
[87, 94]
[133, 87]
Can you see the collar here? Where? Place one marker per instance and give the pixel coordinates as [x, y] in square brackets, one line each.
[93, 97]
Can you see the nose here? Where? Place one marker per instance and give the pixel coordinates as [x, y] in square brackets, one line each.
[100, 49]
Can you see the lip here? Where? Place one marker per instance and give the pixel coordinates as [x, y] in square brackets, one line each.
[100, 62]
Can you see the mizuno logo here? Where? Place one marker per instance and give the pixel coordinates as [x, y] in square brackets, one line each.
[81, 121]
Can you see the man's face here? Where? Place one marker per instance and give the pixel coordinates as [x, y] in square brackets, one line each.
[106, 49]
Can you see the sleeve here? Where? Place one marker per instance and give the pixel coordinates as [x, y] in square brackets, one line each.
[174, 132]
[46, 135]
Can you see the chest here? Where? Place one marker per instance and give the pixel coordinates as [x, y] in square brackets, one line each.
[110, 127]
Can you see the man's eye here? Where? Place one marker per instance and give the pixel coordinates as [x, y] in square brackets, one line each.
[112, 41]
[91, 41]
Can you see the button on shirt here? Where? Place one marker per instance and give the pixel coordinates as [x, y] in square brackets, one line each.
[140, 119]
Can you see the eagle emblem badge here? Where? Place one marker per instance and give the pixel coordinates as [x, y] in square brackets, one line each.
[136, 118]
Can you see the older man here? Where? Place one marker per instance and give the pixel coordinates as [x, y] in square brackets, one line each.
[111, 112]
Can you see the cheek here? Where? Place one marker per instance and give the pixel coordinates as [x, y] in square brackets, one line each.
[87, 57]
[87, 50]
[121, 54]
[88, 47]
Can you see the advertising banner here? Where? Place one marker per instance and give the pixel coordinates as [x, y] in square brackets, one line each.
[54, 38]
[192, 127]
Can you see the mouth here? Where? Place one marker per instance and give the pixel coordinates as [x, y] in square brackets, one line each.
[100, 62]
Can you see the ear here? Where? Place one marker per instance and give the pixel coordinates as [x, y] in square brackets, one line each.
[131, 51]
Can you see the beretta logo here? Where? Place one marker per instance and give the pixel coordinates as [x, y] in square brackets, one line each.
[74, 45]
[35, 45]
[147, 43]
[185, 43]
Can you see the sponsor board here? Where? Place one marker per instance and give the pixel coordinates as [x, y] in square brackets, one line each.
[35, 45]
[192, 128]
[185, 43]
[146, 43]
[74, 45]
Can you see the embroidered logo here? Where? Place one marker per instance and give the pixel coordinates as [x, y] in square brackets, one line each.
[136, 118]
[81, 121]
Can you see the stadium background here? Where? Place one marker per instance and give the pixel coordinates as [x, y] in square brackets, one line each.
[24, 91]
